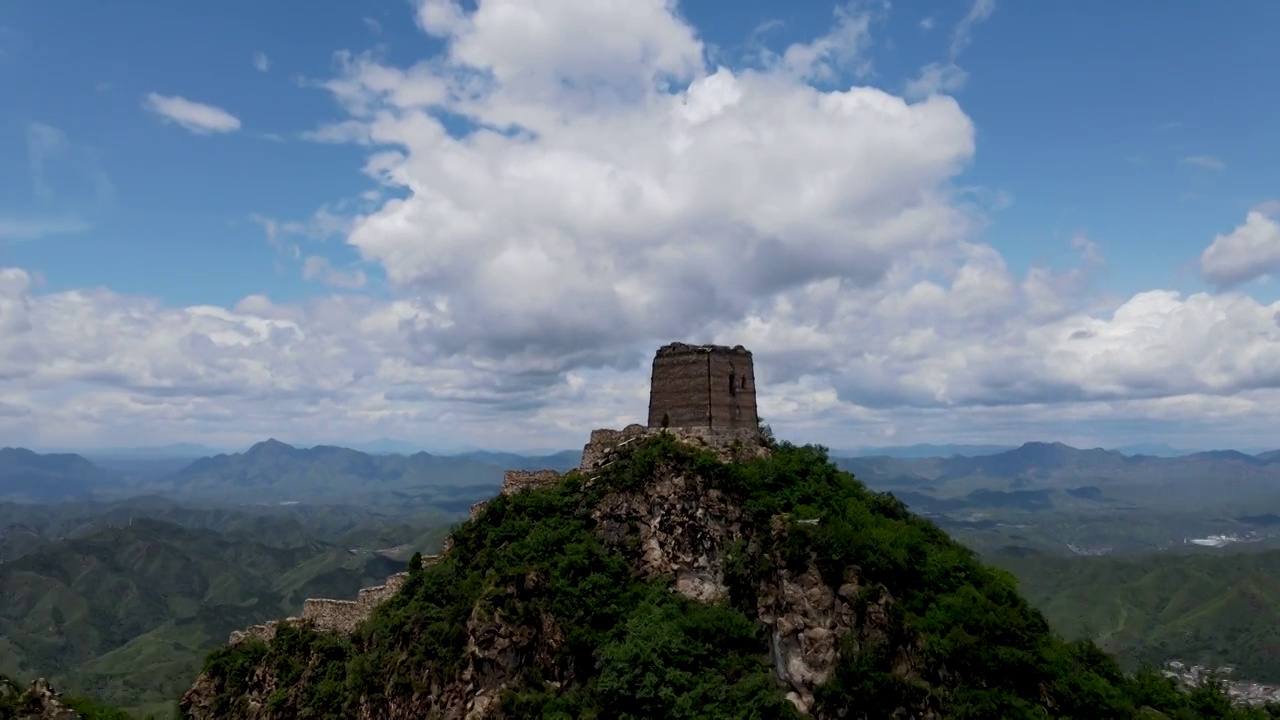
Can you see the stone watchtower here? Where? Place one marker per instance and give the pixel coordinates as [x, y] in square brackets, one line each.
[703, 386]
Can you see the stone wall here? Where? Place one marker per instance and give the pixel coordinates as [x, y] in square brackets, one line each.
[336, 616]
[606, 446]
[702, 386]
[513, 481]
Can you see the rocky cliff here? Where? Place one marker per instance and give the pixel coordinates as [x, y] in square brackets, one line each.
[37, 701]
[672, 577]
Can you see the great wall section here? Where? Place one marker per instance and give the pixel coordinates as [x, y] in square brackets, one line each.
[700, 395]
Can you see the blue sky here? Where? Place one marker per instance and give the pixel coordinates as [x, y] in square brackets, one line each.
[1147, 129]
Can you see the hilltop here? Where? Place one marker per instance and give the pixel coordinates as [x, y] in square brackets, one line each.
[665, 581]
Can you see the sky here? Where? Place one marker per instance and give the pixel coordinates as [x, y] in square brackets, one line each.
[467, 225]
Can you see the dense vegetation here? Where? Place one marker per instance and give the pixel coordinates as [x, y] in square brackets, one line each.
[127, 613]
[1211, 609]
[632, 649]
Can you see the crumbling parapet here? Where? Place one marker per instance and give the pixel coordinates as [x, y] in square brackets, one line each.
[336, 616]
[513, 481]
[729, 444]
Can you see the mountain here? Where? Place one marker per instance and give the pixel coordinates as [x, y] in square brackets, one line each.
[678, 582]
[272, 471]
[926, 450]
[26, 475]
[125, 613]
[1209, 610]
[1226, 480]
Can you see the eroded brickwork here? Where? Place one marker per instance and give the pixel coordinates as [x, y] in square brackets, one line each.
[711, 386]
[513, 481]
[335, 616]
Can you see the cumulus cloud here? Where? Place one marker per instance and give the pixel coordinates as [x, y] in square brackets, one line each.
[196, 117]
[261, 61]
[1248, 252]
[612, 190]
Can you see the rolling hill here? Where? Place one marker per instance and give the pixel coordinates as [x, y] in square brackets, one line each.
[124, 613]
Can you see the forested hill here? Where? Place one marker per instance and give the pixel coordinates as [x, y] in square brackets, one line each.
[676, 585]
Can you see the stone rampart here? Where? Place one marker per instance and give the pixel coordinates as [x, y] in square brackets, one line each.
[336, 616]
[513, 481]
[606, 446]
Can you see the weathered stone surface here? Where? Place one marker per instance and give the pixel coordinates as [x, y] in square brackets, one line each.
[336, 616]
[710, 386]
[683, 528]
[513, 481]
[37, 701]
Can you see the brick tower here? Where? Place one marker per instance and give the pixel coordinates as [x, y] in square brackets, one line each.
[709, 386]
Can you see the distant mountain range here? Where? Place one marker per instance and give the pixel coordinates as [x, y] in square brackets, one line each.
[272, 472]
[948, 479]
[1039, 476]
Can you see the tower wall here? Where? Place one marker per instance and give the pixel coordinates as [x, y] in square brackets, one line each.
[691, 386]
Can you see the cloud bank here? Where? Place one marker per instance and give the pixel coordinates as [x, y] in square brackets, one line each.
[613, 190]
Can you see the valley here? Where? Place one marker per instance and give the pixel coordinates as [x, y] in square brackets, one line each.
[118, 578]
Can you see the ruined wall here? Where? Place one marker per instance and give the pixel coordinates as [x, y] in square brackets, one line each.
[513, 481]
[603, 442]
[702, 386]
[336, 616]
[729, 444]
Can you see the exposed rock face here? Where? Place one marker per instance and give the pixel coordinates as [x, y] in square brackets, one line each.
[682, 529]
[39, 701]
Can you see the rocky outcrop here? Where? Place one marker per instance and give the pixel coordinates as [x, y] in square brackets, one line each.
[679, 527]
[37, 701]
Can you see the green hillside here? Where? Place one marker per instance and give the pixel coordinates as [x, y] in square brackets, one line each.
[126, 613]
[544, 608]
[1199, 608]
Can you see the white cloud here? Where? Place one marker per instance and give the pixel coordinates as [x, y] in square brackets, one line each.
[261, 61]
[616, 192]
[963, 35]
[927, 24]
[197, 117]
[316, 267]
[1249, 252]
[1208, 162]
[936, 78]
